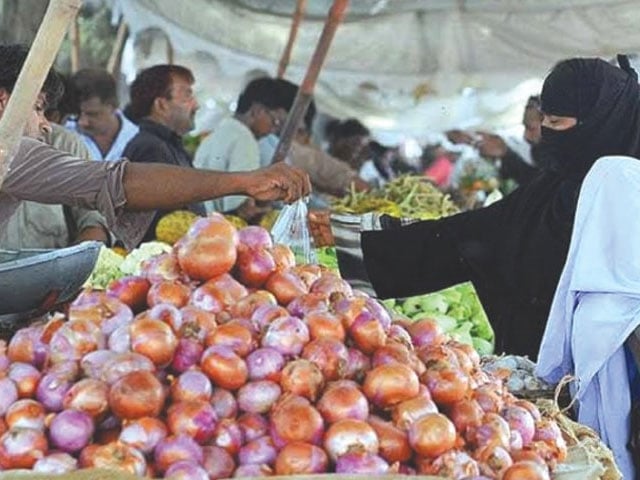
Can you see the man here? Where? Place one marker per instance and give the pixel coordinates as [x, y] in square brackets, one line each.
[233, 145]
[36, 225]
[103, 127]
[126, 193]
[350, 143]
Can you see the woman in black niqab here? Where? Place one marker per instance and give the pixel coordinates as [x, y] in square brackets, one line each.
[514, 250]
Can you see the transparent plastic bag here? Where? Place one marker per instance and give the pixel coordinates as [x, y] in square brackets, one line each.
[292, 229]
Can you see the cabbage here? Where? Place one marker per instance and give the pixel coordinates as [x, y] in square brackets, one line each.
[133, 261]
[106, 270]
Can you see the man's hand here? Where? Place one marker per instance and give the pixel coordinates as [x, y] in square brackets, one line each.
[277, 182]
[460, 137]
[96, 233]
[491, 145]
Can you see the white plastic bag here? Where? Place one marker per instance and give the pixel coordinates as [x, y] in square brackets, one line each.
[292, 229]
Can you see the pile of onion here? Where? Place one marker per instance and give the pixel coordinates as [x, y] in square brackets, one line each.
[226, 359]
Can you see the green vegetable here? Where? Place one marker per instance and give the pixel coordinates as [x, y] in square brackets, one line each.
[482, 346]
[327, 257]
[107, 268]
[434, 302]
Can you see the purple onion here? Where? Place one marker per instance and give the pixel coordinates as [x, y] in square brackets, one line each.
[25, 376]
[218, 462]
[120, 340]
[254, 237]
[228, 435]
[69, 369]
[307, 303]
[123, 363]
[358, 365]
[253, 426]
[192, 385]
[51, 391]
[397, 333]
[26, 413]
[258, 396]
[187, 354]
[92, 364]
[31, 336]
[74, 339]
[288, 335]
[4, 362]
[361, 463]
[144, 433]
[260, 450]
[264, 363]
[253, 470]
[379, 312]
[186, 470]
[264, 315]
[520, 420]
[71, 430]
[56, 463]
[8, 394]
[175, 448]
[224, 403]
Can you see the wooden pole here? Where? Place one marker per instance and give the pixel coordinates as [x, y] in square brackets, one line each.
[74, 37]
[301, 6]
[118, 45]
[305, 92]
[43, 52]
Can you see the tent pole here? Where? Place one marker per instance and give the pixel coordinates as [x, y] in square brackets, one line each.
[303, 98]
[118, 45]
[301, 6]
[74, 36]
[42, 53]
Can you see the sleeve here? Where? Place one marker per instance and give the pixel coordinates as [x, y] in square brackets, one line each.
[145, 152]
[326, 172]
[514, 166]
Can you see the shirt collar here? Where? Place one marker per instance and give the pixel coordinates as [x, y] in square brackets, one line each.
[159, 130]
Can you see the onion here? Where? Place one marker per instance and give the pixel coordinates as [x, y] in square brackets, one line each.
[154, 339]
[252, 237]
[350, 435]
[217, 462]
[407, 412]
[167, 313]
[520, 419]
[342, 402]
[394, 444]
[174, 448]
[348, 309]
[494, 460]
[488, 398]
[310, 304]
[391, 352]
[432, 435]
[358, 365]
[136, 395]
[426, 332]
[130, 290]
[8, 394]
[191, 385]
[120, 340]
[209, 248]
[398, 334]
[286, 286]
[90, 396]
[195, 418]
[294, 419]
[27, 346]
[253, 470]
[288, 335]
[123, 363]
[302, 377]
[299, 458]
[254, 266]
[105, 311]
[224, 367]
[114, 456]
[265, 314]
[71, 430]
[143, 433]
[246, 306]
[446, 384]
[92, 364]
[168, 292]
[186, 470]
[526, 470]
[218, 294]
[465, 414]
[26, 413]
[451, 464]
[309, 273]
[253, 426]
[494, 430]
[388, 385]
[56, 463]
[283, 256]
[234, 336]
[228, 435]
[260, 450]
[161, 267]
[224, 403]
[547, 431]
[330, 355]
[187, 354]
[21, 448]
[26, 378]
[265, 364]
[330, 284]
[361, 463]
[379, 312]
[258, 397]
[530, 407]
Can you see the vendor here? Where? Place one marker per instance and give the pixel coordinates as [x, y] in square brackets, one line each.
[514, 250]
[127, 194]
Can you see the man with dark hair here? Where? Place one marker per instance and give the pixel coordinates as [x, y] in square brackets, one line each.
[126, 193]
[233, 145]
[103, 127]
[350, 142]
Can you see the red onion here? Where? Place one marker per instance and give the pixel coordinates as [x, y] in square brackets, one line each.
[92, 364]
[258, 397]
[26, 413]
[218, 463]
[88, 395]
[114, 455]
[358, 365]
[330, 355]
[253, 237]
[302, 377]
[299, 458]
[367, 333]
[246, 306]
[265, 314]
[288, 335]
[494, 460]
[191, 385]
[197, 323]
[254, 266]
[21, 448]
[187, 354]
[265, 364]
[350, 435]
[253, 470]
[167, 313]
[493, 430]
[253, 426]
[342, 402]
[224, 403]
[362, 463]
[330, 283]
[122, 364]
[233, 335]
[120, 340]
[515, 441]
[56, 463]
[218, 294]
[71, 430]
[397, 333]
[228, 435]
[26, 378]
[425, 332]
[195, 418]
[8, 394]
[106, 311]
[161, 267]
[260, 450]
[74, 340]
[143, 433]
[27, 346]
[174, 448]
[520, 419]
[379, 312]
[309, 302]
[451, 464]
[186, 470]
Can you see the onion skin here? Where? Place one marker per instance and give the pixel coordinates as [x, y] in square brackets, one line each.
[217, 462]
[71, 430]
[8, 394]
[343, 402]
[88, 395]
[388, 385]
[294, 419]
[191, 385]
[349, 435]
[298, 458]
[361, 463]
[258, 397]
[265, 364]
[154, 339]
[56, 464]
[432, 435]
[253, 426]
[302, 377]
[224, 403]
[130, 290]
[26, 378]
[224, 367]
[330, 355]
[26, 413]
[175, 448]
[195, 418]
[394, 444]
[144, 433]
[288, 335]
[186, 470]
[21, 448]
[114, 456]
[168, 291]
[136, 395]
[258, 451]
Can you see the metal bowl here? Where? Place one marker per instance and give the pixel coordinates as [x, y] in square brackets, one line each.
[34, 280]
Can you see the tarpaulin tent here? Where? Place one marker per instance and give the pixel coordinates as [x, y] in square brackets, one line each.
[409, 65]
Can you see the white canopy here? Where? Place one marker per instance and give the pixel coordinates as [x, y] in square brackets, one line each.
[399, 65]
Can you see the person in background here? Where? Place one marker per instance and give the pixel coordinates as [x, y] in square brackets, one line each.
[378, 170]
[350, 143]
[163, 104]
[39, 225]
[513, 163]
[233, 145]
[438, 165]
[102, 126]
[127, 194]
